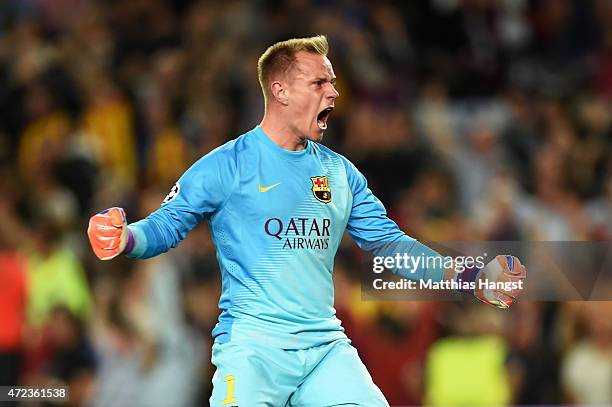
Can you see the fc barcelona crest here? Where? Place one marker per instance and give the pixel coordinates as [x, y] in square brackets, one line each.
[321, 189]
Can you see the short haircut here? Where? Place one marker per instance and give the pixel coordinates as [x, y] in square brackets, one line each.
[280, 57]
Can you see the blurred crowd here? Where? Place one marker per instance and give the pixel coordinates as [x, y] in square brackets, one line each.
[471, 119]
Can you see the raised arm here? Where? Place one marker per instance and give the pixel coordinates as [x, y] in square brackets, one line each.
[373, 231]
[200, 192]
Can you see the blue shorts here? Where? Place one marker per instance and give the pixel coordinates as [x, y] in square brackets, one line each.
[253, 374]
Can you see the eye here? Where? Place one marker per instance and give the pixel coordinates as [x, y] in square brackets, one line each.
[318, 83]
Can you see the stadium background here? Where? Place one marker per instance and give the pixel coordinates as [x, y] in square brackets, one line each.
[472, 120]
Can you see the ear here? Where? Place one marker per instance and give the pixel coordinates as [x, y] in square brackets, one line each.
[280, 92]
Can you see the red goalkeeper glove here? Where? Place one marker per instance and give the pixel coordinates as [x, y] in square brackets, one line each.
[498, 283]
[108, 233]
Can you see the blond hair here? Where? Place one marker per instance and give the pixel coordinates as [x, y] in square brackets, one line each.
[280, 57]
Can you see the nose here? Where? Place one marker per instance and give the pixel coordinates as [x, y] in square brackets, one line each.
[333, 94]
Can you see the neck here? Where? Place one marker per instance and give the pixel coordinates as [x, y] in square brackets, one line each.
[281, 133]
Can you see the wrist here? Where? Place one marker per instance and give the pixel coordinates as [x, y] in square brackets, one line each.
[466, 280]
[131, 242]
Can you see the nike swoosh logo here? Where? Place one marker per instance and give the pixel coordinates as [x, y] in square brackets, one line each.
[266, 189]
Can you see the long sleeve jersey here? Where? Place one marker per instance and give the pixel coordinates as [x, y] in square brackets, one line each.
[277, 218]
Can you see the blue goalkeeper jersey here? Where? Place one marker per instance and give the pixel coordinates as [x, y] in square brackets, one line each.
[277, 218]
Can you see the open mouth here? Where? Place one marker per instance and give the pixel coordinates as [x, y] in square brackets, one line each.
[323, 116]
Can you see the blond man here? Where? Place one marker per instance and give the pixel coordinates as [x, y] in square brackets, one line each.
[277, 203]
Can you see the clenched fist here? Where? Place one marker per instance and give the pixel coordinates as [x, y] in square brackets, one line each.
[498, 283]
[108, 233]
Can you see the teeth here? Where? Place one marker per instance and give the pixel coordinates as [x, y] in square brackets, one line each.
[323, 123]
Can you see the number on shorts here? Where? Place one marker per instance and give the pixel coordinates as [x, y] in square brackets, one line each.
[229, 398]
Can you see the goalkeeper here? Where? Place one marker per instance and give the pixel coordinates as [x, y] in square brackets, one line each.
[277, 203]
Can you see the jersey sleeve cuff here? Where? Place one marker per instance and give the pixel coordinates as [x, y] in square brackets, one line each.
[138, 240]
